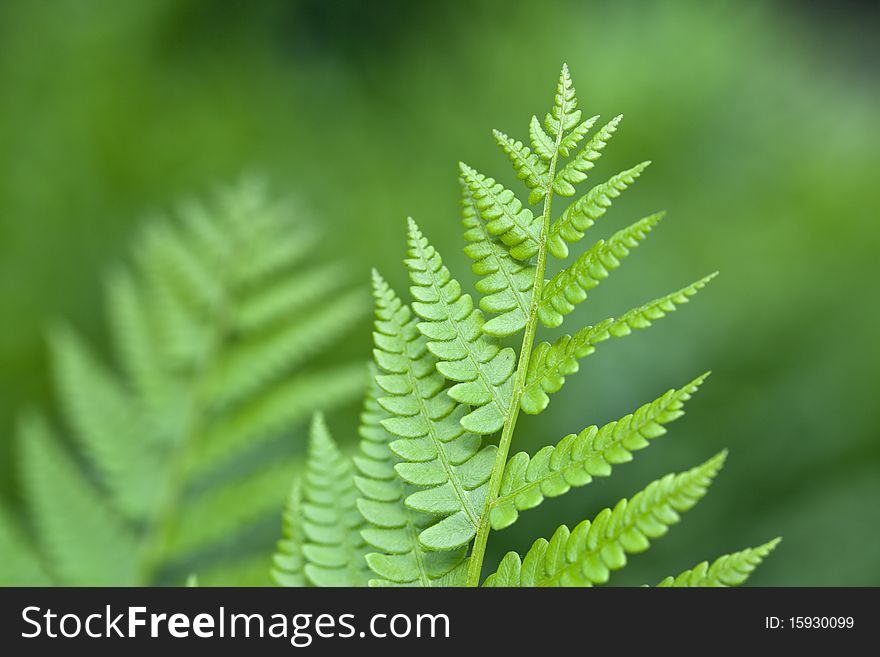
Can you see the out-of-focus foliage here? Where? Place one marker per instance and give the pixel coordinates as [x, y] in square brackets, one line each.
[760, 120]
[172, 467]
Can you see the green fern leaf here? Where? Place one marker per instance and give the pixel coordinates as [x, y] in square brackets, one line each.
[437, 455]
[101, 410]
[543, 143]
[571, 140]
[133, 329]
[575, 171]
[428, 488]
[530, 168]
[454, 330]
[334, 549]
[550, 364]
[577, 458]
[288, 562]
[506, 283]
[392, 528]
[727, 570]
[271, 307]
[505, 216]
[564, 116]
[587, 554]
[569, 287]
[583, 213]
[546, 147]
[86, 542]
[211, 329]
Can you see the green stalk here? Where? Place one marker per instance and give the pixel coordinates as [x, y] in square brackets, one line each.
[478, 551]
[156, 539]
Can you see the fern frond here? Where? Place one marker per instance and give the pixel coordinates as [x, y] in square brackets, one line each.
[550, 364]
[571, 140]
[583, 213]
[564, 116]
[186, 266]
[530, 168]
[392, 528]
[506, 284]
[101, 411]
[334, 549]
[289, 297]
[437, 455]
[587, 554]
[505, 216]
[85, 541]
[133, 332]
[727, 570]
[429, 489]
[543, 143]
[211, 329]
[577, 458]
[454, 330]
[546, 147]
[575, 170]
[288, 562]
[569, 287]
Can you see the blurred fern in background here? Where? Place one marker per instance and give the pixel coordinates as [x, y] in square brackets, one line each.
[213, 330]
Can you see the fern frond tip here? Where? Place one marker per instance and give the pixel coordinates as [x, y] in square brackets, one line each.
[728, 570]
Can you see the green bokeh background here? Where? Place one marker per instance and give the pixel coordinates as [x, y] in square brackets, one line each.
[761, 120]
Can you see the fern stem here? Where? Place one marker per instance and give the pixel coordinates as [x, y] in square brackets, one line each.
[155, 541]
[478, 551]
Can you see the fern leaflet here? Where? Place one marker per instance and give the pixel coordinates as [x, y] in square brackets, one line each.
[392, 528]
[289, 561]
[569, 287]
[438, 456]
[453, 327]
[550, 364]
[728, 570]
[576, 170]
[583, 213]
[506, 283]
[577, 458]
[505, 216]
[330, 549]
[530, 168]
[587, 554]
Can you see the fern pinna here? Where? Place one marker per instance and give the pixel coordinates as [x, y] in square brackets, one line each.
[174, 466]
[434, 474]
